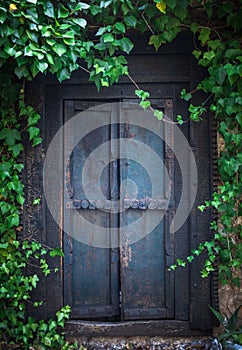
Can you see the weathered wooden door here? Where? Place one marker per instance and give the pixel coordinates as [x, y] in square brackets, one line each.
[124, 274]
[125, 281]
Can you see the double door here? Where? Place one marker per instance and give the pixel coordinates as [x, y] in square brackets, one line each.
[118, 209]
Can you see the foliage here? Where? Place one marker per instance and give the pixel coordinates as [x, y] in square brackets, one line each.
[18, 255]
[232, 331]
[58, 37]
[214, 24]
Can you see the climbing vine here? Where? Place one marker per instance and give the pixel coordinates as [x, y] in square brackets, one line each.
[58, 37]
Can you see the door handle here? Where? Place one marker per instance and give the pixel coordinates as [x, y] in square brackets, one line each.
[143, 204]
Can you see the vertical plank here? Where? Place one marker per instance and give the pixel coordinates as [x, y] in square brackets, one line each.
[90, 285]
[200, 289]
[143, 262]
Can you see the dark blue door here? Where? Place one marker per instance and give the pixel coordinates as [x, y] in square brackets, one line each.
[119, 271]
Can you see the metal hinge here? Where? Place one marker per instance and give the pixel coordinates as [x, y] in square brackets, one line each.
[120, 299]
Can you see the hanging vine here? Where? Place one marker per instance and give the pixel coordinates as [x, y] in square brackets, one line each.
[59, 37]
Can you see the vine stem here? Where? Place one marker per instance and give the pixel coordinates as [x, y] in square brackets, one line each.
[146, 22]
[86, 70]
[151, 108]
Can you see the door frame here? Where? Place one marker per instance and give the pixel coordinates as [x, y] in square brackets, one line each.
[47, 96]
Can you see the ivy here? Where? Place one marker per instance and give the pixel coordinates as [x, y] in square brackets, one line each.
[40, 37]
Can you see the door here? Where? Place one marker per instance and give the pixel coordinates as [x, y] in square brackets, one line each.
[118, 206]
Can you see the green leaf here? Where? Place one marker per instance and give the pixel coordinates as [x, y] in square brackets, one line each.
[37, 141]
[21, 71]
[63, 74]
[126, 45]
[33, 132]
[69, 34]
[179, 119]
[209, 55]
[32, 1]
[50, 58]
[32, 14]
[186, 95]
[3, 17]
[42, 66]
[108, 37]
[5, 170]
[10, 136]
[171, 3]
[158, 114]
[59, 49]
[16, 149]
[145, 104]
[20, 199]
[36, 201]
[19, 167]
[49, 10]
[56, 252]
[105, 3]
[100, 46]
[194, 28]
[10, 50]
[28, 51]
[156, 40]
[62, 11]
[217, 314]
[80, 21]
[81, 6]
[120, 27]
[101, 31]
[204, 35]
[130, 21]
[222, 73]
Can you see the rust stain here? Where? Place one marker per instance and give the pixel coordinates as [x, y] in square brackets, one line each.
[68, 179]
[126, 255]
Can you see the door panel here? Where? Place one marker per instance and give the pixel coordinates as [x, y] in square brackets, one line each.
[91, 273]
[143, 263]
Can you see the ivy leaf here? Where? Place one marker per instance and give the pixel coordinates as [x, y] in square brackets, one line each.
[62, 12]
[158, 114]
[105, 3]
[10, 136]
[59, 49]
[130, 21]
[145, 104]
[101, 31]
[186, 95]
[120, 27]
[80, 21]
[209, 55]
[5, 169]
[33, 132]
[3, 17]
[156, 40]
[204, 35]
[50, 58]
[16, 149]
[49, 10]
[221, 75]
[107, 38]
[42, 66]
[37, 141]
[56, 252]
[126, 45]
[63, 74]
